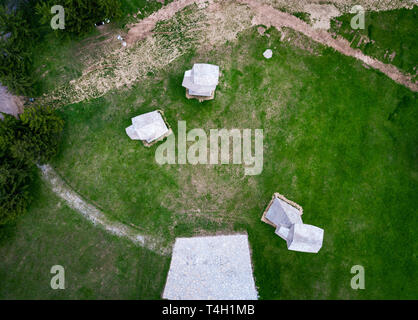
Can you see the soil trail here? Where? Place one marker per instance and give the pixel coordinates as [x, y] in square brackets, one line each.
[95, 215]
[267, 15]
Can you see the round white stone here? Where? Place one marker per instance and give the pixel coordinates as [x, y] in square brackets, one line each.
[268, 54]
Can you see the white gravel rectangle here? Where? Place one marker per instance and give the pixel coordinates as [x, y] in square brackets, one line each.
[211, 268]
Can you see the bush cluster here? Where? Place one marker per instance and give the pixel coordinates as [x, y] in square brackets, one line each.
[24, 142]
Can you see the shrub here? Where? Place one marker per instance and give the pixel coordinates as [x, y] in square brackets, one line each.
[43, 129]
[16, 40]
[15, 179]
[23, 143]
[80, 15]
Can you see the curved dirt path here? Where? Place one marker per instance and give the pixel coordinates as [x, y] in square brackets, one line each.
[93, 214]
[267, 15]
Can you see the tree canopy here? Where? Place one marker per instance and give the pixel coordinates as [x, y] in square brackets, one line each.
[24, 142]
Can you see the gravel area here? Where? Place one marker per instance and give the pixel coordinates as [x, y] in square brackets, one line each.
[211, 268]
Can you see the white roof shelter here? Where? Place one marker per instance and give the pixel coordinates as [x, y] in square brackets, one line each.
[282, 232]
[201, 80]
[282, 214]
[305, 238]
[285, 216]
[148, 127]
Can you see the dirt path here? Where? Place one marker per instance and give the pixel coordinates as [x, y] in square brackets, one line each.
[93, 214]
[267, 15]
[209, 24]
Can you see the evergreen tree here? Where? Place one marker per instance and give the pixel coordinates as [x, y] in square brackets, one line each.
[16, 39]
[23, 143]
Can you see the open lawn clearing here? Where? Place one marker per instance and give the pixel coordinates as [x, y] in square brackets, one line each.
[387, 36]
[97, 265]
[339, 140]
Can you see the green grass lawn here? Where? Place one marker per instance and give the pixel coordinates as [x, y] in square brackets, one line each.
[146, 7]
[58, 60]
[391, 32]
[97, 265]
[339, 139]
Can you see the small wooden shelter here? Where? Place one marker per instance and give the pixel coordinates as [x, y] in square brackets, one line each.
[201, 81]
[286, 217]
[149, 128]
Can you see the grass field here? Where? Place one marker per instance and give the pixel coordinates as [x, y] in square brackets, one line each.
[390, 35]
[328, 145]
[97, 265]
[339, 139]
[58, 60]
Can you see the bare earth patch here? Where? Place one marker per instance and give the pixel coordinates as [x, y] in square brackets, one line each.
[343, 6]
[321, 15]
[144, 28]
[267, 15]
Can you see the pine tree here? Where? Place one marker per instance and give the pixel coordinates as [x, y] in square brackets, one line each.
[32, 139]
[80, 15]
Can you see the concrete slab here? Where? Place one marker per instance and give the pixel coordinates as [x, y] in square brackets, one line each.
[211, 268]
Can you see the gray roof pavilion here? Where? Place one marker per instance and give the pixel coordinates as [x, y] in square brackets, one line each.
[9, 103]
[305, 238]
[148, 127]
[282, 214]
[201, 80]
[285, 216]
